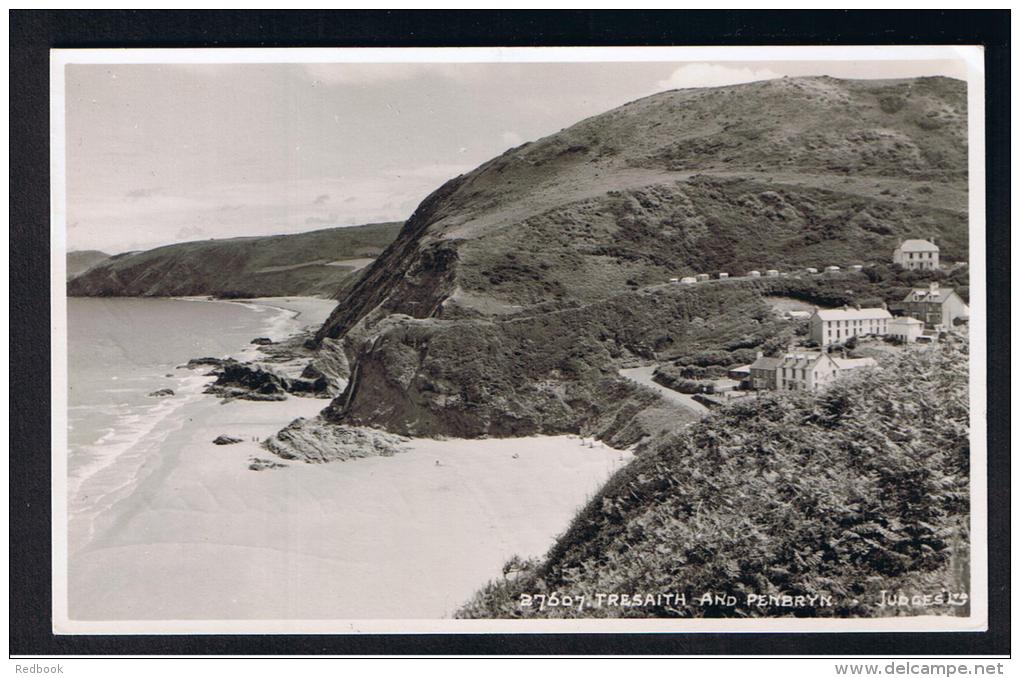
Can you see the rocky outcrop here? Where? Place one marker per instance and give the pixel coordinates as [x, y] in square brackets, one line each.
[316, 441]
[224, 439]
[261, 341]
[162, 393]
[328, 367]
[195, 363]
[260, 464]
[248, 381]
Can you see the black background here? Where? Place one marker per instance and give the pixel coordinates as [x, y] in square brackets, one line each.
[33, 33]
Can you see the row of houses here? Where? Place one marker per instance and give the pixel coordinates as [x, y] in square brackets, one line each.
[914, 254]
[932, 308]
[796, 371]
[770, 273]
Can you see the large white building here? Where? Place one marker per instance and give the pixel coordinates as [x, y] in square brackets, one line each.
[836, 325]
[920, 255]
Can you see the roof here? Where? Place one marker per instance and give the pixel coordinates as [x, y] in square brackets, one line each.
[765, 364]
[741, 368]
[852, 313]
[929, 296]
[796, 360]
[917, 246]
[852, 363]
[905, 321]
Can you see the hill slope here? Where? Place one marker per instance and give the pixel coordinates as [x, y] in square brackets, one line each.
[314, 263]
[81, 260]
[776, 174]
[861, 489]
[513, 293]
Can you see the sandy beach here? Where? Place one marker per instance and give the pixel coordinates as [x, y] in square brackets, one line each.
[204, 537]
[196, 534]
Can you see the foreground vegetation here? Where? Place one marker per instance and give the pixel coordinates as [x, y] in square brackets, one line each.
[861, 489]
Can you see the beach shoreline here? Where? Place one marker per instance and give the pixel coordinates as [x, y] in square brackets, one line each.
[197, 534]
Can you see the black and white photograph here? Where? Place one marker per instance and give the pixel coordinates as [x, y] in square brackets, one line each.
[561, 340]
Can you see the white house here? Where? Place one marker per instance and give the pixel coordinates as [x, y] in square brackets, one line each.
[701, 277]
[906, 329]
[805, 371]
[772, 273]
[917, 255]
[836, 325]
[688, 280]
[723, 276]
[802, 370]
[754, 274]
[811, 269]
[832, 269]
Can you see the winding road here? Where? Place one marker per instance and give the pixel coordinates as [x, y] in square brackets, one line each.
[643, 376]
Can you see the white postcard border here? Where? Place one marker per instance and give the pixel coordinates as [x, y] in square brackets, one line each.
[971, 56]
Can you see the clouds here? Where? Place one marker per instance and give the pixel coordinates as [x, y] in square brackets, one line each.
[163, 148]
[714, 75]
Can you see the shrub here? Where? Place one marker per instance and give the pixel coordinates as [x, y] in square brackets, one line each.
[861, 488]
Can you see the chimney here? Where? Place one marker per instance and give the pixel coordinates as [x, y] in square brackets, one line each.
[933, 287]
[759, 355]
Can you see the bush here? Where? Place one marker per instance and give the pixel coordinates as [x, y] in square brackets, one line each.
[861, 488]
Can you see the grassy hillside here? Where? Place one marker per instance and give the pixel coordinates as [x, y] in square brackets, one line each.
[300, 264]
[512, 286]
[81, 260]
[779, 174]
[860, 489]
[548, 370]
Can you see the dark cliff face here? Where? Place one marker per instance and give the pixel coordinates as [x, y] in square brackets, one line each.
[396, 277]
[507, 300]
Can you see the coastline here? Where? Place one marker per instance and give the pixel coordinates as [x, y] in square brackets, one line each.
[132, 449]
[196, 534]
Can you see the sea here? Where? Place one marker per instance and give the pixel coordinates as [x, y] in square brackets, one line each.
[120, 351]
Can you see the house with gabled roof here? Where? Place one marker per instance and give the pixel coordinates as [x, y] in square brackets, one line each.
[763, 372]
[806, 371]
[935, 306]
[802, 370]
[917, 255]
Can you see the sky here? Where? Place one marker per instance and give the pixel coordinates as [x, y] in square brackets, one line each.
[164, 153]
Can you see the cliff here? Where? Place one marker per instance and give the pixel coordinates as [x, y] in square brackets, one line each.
[509, 298]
